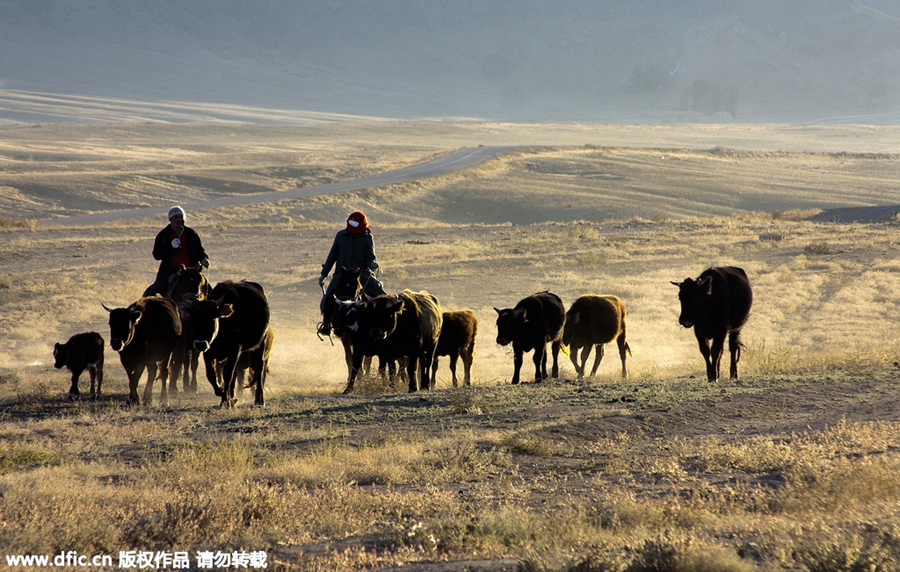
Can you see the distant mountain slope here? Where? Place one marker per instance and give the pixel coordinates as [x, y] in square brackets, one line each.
[584, 60]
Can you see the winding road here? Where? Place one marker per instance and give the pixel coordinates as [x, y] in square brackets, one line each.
[453, 161]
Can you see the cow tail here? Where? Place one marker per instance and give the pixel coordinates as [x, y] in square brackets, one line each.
[564, 348]
[628, 349]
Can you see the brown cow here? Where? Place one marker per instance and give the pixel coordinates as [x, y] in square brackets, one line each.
[145, 335]
[593, 321]
[82, 351]
[457, 341]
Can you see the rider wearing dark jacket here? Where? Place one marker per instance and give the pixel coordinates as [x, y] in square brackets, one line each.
[353, 247]
[175, 246]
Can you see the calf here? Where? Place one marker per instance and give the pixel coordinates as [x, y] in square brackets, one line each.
[145, 335]
[82, 351]
[534, 322]
[716, 305]
[457, 340]
[594, 321]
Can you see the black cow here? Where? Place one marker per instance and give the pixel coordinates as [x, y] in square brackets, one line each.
[82, 351]
[457, 340]
[145, 335]
[534, 322]
[233, 321]
[591, 321]
[397, 328]
[247, 362]
[349, 289]
[715, 305]
[186, 283]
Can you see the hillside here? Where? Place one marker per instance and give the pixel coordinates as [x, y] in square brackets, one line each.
[582, 60]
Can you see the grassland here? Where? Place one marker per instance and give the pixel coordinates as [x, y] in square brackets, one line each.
[791, 467]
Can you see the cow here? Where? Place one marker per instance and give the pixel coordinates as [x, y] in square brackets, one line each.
[457, 340]
[82, 352]
[593, 321]
[186, 283]
[533, 323]
[716, 304]
[349, 289]
[402, 327]
[145, 334]
[233, 321]
[246, 363]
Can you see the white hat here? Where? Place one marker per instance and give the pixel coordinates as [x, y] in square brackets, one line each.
[176, 210]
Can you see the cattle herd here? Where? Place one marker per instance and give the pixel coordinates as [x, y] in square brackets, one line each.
[229, 326]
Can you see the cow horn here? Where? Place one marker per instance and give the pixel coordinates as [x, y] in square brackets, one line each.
[676, 283]
[105, 307]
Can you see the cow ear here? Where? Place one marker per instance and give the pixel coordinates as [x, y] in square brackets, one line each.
[136, 316]
[397, 306]
[226, 311]
[520, 313]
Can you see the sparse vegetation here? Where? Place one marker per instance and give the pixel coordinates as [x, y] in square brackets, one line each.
[793, 466]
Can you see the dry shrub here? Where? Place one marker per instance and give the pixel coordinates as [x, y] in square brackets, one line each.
[19, 223]
[794, 215]
[819, 249]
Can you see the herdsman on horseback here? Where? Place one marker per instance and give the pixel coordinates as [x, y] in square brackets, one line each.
[175, 246]
[353, 247]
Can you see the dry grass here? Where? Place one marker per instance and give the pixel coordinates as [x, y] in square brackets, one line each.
[791, 467]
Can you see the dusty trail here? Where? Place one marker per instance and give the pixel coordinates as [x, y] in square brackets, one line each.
[453, 161]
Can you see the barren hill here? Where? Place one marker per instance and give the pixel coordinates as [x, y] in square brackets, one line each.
[766, 61]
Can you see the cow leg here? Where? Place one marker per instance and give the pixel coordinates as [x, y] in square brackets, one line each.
[540, 363]
[195, 363]
[212, 374]
[581, 361]
[467, 356]
[99, 368]
[354, 371]
[427, 372]
[554, 348]
[623, 349]
[257, 368]
[434, 368]
[517, 365]
[734, 346]
[715, 359]
[134, 375]
[573, 356]
[348, 352]
[152, 371]
[177, 364]
[704, 349]
[454, 358]
[163, 379]
[92, 371]
[598, 357]
[229, 376]
[151, 378]
[73, 390]
[412, 367]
